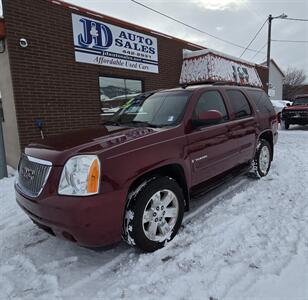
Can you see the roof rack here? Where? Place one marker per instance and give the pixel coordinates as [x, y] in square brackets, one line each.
[185, 85]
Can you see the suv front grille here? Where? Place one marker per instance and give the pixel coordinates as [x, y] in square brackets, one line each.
[32, 175]
[293, 113]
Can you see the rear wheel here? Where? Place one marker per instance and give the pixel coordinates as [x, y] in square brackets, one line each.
[262, 161]
[154, 214]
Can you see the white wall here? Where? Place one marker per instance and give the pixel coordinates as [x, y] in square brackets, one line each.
[276, 82]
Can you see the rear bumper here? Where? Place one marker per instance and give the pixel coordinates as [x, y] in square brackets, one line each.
[89, 221]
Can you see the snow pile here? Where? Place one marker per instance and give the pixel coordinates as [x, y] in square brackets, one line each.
[249, 242]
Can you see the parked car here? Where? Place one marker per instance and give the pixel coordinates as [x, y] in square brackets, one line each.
[134, 176]
[296, 113]
[279, 105]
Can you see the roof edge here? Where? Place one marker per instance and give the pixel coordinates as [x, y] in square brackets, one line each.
[92, 13]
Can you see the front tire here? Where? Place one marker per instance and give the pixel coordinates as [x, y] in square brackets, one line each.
[261, 163]
[154, 214]
[285, 125]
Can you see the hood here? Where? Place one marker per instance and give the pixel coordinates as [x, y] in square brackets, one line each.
[297, 107]
[58, 148]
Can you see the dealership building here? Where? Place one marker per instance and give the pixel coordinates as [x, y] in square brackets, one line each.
[60, 64]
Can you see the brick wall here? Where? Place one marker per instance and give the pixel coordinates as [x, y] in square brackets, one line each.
[48, 83]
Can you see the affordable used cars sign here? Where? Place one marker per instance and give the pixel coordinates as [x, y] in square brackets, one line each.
[108, 45]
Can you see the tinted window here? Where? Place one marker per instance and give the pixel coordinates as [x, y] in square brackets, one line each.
[239, 104]
[262, 101]
[301, 101]
[211, 100]
[159, 109]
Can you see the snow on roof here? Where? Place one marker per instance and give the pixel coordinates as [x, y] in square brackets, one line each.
[190, 54]
[209, 66]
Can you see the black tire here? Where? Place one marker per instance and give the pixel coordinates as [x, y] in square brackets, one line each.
[285, 125]
[257, 170]
[134, 232]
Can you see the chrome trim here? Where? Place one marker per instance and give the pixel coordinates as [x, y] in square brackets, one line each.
[39, 161]
[199, 158]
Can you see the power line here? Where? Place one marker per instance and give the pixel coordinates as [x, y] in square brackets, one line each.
[258, 51]
[289, 41]
[255, 36]
[192, 27]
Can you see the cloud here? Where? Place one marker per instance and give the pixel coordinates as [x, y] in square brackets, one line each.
[221, 4]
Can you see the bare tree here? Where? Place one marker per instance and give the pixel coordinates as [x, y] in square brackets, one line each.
[293, 83]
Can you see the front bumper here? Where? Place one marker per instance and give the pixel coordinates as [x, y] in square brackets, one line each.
[92, 221]
[294, 118]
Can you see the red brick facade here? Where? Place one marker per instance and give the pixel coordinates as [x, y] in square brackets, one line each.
[49, 85]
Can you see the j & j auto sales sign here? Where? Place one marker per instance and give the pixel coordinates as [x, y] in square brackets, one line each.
[108, 45]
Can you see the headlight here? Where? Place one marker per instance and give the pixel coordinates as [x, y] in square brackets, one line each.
[80, 176]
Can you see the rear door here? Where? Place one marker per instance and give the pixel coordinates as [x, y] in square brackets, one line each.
[209, 146]
[243, 126]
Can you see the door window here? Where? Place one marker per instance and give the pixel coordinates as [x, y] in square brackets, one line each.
[211, 100]
[239, 104]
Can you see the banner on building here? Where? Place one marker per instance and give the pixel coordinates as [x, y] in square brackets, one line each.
[212, 66]
[104, 44]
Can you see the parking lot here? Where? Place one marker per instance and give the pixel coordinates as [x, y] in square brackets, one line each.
[246, 240]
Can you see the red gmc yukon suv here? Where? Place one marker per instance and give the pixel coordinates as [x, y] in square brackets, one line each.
[133, 177]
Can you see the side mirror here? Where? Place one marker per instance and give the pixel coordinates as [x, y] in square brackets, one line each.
[210, 117]
[288, 104]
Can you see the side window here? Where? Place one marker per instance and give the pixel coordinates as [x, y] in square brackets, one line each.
[262, 101]
[211, 100]
[239, 104]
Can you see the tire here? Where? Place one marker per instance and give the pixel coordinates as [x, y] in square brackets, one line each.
[285, 125]
[261, 163]
[146, 225]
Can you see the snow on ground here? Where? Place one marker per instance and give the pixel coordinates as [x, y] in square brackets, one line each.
[246, 240]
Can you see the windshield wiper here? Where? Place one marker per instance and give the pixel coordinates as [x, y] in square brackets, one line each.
[112, 123]
[142, 123]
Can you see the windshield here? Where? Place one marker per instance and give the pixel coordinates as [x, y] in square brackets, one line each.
[301, 101]
[157, 110]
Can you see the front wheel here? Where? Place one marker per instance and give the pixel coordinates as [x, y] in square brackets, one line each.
[285, 125]
[154, 214]
[262, 160]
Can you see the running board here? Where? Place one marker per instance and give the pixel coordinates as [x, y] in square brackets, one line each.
[207, 186]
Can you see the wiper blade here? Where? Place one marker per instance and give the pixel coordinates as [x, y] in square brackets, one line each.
[143, 123]
[112, 123]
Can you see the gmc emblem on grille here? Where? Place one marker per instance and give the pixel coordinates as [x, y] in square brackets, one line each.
[27, 173]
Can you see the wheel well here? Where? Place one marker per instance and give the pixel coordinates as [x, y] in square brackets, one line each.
[268, 136]
[174, 171]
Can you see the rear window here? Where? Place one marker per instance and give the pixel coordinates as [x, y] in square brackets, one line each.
[239, 104]
[262, 101]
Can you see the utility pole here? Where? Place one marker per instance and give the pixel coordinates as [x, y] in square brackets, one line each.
[269, 38]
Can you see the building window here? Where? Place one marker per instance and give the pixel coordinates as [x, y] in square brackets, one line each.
[119, 88]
